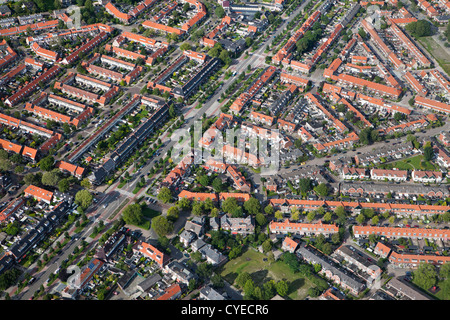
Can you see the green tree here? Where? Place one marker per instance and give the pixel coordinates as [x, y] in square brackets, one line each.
[5, 165]
[84, 199]
[425, 276]
[360, 218]
[184, 204]
[50, 178]
[85, 183]
[267, 245]
[230, 205]
[444, 271]
[428, 152]
[173, 213]
[132, 214]
[162, 226]
[197, 209]
[252, 206]
[305, 185]
[217, 185]
[220, 12]
[278, 215]
[322, 189]
[225, 57]
[165, 195]
[375, 220]
[46, 163]
[327, 217]
[310, 216]
[217, 281]
[260, 219]
[242, 279]
[3, 154]
[282, 288]
[63, 185]
[420, 28]
[269, 209]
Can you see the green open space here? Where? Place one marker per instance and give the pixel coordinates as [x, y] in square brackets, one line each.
[414, 163]
[262, 270]
[439, 53]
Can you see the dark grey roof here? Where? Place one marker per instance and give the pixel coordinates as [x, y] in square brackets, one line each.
[149, 282]
[312, 256]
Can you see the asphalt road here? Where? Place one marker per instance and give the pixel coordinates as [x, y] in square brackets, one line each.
[44, 274]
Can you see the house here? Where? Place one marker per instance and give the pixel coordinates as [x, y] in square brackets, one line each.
[74, 170]
[331, 270]
[149, 282]
[215, 166]
[350, 173]
[432, 104]
[151, 252]
[214, 223]
[179, 272]
[197, 244]
[442, 157]
[396, 233]
[382, 250]
[196, 226]
[406, 260]
[444, 137]
[307, 229]
[398, 190]
[39, 194]
[243, 226]
[400, 209]
[208, 293]
[186, 237]
[365, 265]
[401, 290]
[427, 176]
[4, 11]
[197, 196]
[391, 175]
[262, 118]
[240, 197]
[88, 272]
[171, 293]
[12, 207]
[212, 255]
[289, 245]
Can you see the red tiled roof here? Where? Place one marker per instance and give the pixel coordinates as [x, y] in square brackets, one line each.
[39, 193]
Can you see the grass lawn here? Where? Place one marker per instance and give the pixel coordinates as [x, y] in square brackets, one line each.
[441, 294]
[417, 162]
[136, 190]
[441, 54]
[262, 271]
[150, 213]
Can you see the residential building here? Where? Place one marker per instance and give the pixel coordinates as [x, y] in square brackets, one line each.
[307, 229]
[39, 194]
[401, 290]
[427, 176]
[331, 270]
[152, 253]
[391, 175]
[397, 233]
[243, 226]
[289, 245]
[179, 272]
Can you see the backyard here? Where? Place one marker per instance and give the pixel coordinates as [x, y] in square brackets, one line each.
[414, 163]
[262, 270]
